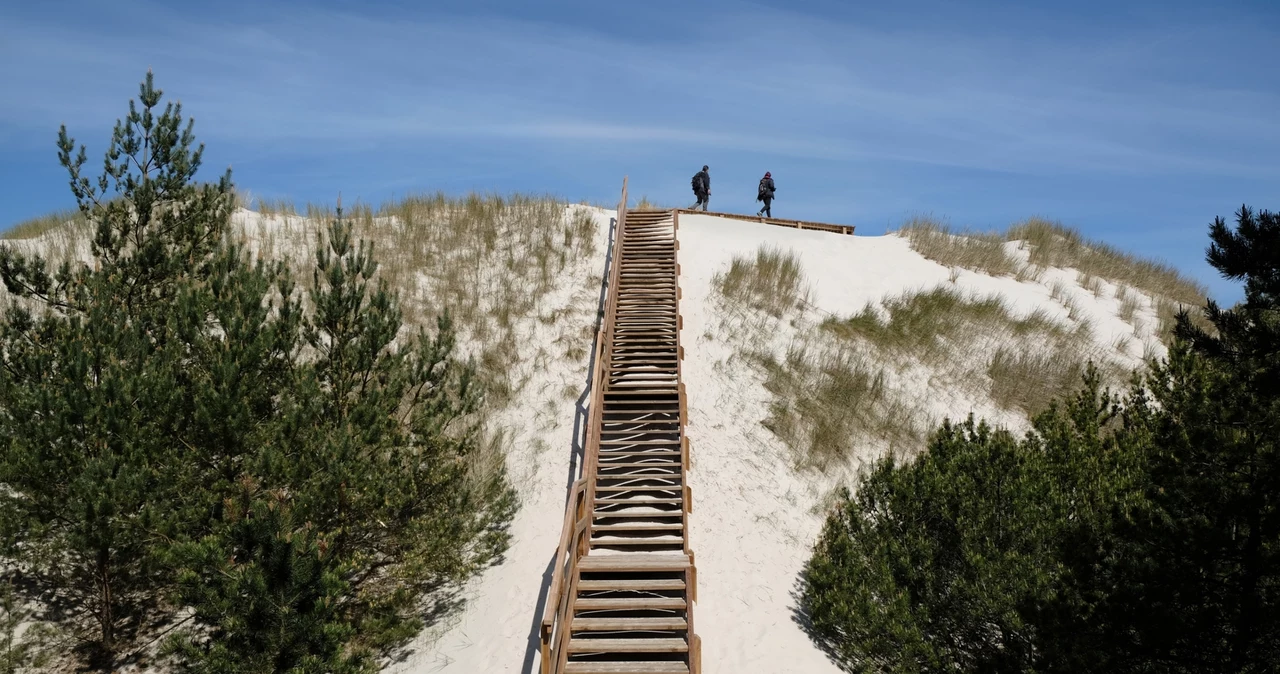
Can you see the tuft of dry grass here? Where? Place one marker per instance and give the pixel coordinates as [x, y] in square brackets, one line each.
[1130, 302]
[1167, 318]
[825, 401]
[979, 251]
[645, 205]
[925, 325]
[273, 207]
[772, 282]
[1091, 283]
[1028, 381]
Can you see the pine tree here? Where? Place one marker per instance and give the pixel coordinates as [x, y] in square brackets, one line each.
[175, 429]
[954, 562]
[366, 501]
[1199, 571]
[130, 397]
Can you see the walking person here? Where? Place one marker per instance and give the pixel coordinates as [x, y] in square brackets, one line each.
[701, 189]
[765, 194]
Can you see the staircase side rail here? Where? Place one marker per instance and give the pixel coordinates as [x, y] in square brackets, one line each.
[781, 222]
[576, 530]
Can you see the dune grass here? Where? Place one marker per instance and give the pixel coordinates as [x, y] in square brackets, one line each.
[645, 205]
[33, 228]
[827, 401]
[773, 281]
[1130, 303]
[928, 325]
[1037, 357]
[978, 251]
[489, 260]
[1052, 244]
[1029, 381]
[59, 237]
[849, 381]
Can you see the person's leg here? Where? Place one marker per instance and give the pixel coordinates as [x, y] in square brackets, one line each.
[768, 210]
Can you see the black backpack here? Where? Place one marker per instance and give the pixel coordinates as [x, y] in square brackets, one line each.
[697, 181]
[764, 190]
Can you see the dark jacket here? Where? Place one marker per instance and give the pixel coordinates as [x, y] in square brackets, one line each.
[767, 189]
[702, 183]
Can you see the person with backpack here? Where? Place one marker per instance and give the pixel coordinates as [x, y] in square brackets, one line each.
[701, 189]
[765, 194]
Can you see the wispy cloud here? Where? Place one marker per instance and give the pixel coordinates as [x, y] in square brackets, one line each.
[833, 91]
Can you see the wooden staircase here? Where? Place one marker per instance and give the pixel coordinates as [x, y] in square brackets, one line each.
[621, 600]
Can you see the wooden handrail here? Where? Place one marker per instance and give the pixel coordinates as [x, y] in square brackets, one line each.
[581, 505]
[554, 591]
[782, 222]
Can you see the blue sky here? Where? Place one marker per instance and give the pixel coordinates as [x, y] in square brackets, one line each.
[1135, 122]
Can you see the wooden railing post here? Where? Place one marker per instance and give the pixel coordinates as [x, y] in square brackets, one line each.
[546, 649]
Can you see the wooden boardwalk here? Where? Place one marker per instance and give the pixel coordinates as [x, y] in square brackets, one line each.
[781, 222]
[622, 596]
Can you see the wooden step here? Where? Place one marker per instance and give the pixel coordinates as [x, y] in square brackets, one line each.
[627, 513]
[652, 452]
[610, 529]
[629, 624]
[632, 585]
[640, 433]
[643, 432]
[654, 667]
[634, 562]
[644, 541]
[671, 473]
[628, 646]
[629, 604]
[665, 487]
[667, 464]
